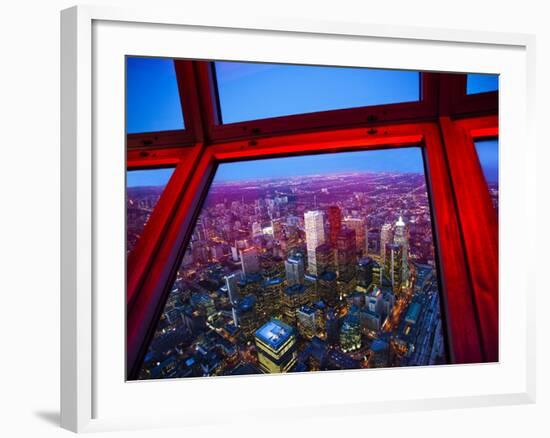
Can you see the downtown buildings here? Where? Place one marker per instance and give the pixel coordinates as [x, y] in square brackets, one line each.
[280, 254]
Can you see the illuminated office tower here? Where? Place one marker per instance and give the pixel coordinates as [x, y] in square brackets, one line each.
[276, 346]
[400, 237]
[375, 301]
[306, 320]
[246, 313]
[394, 265]
[328, 288]
[332, 327]
[292, 237]
[250, 261]
[370, 321]
[350, 333]
[320, 315]
[270, 298]
[293, 298]
[365, 272]
[315, 236]
[358, 225]
[385, 238]
[231, 282]
[346, 255]
[324, 256]
[373, 241]
[335, 223]
[294, 269]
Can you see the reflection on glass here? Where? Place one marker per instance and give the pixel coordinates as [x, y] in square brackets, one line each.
[487, 152]
[152, 96]
[143, 190]
[320, 262]
[480, 83]
[250, 91]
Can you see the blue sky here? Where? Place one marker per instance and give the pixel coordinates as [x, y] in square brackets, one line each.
[487, 151]
[479, 83]
[250, 91]
[152, 177]
[152, 98]
[253, 91]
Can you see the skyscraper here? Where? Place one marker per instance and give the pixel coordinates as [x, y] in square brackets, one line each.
[324, 256]
[292, 299]
[365, 272]
[394, 265]
[358, 225]
[232, 288]
[400, 237]
[250, 261]
[346, 255]
[385, 238]
[315, 236]
[294, 268]
[335, 223]
[276, 346]
[306, 320]
[350, 333]
[270, 297]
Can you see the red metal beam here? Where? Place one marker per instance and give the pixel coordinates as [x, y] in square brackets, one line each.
[424, 109]
[478, 220]
[145, 252]
[456, 294]
[469, 295]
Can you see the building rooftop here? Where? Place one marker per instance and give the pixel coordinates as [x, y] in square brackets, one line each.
[274, 333]
[273, 281]
[365, 261]
[295, 289]
[412, 313]
[378, 345]
[307, 310]
[247, 303]
[328, 276]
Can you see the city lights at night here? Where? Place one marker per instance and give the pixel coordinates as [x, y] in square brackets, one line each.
[303, 269]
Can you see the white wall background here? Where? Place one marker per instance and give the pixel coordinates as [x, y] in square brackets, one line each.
[29, 213]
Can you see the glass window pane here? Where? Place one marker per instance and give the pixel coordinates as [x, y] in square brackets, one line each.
[487, 152]
[152, 96]
[315, 262]
[251, 91]
[480, 83]
[143, 190]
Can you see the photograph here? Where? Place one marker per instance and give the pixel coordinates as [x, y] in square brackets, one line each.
[312, 260]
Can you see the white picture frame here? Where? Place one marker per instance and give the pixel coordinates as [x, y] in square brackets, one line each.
[93, 395]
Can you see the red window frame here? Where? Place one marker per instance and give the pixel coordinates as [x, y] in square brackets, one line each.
[443, 128]
[478, 218]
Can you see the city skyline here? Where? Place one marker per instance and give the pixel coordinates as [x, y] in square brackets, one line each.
[331, 272]
[398, 160]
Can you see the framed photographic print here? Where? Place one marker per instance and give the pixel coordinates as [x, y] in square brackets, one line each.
[320, 209]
